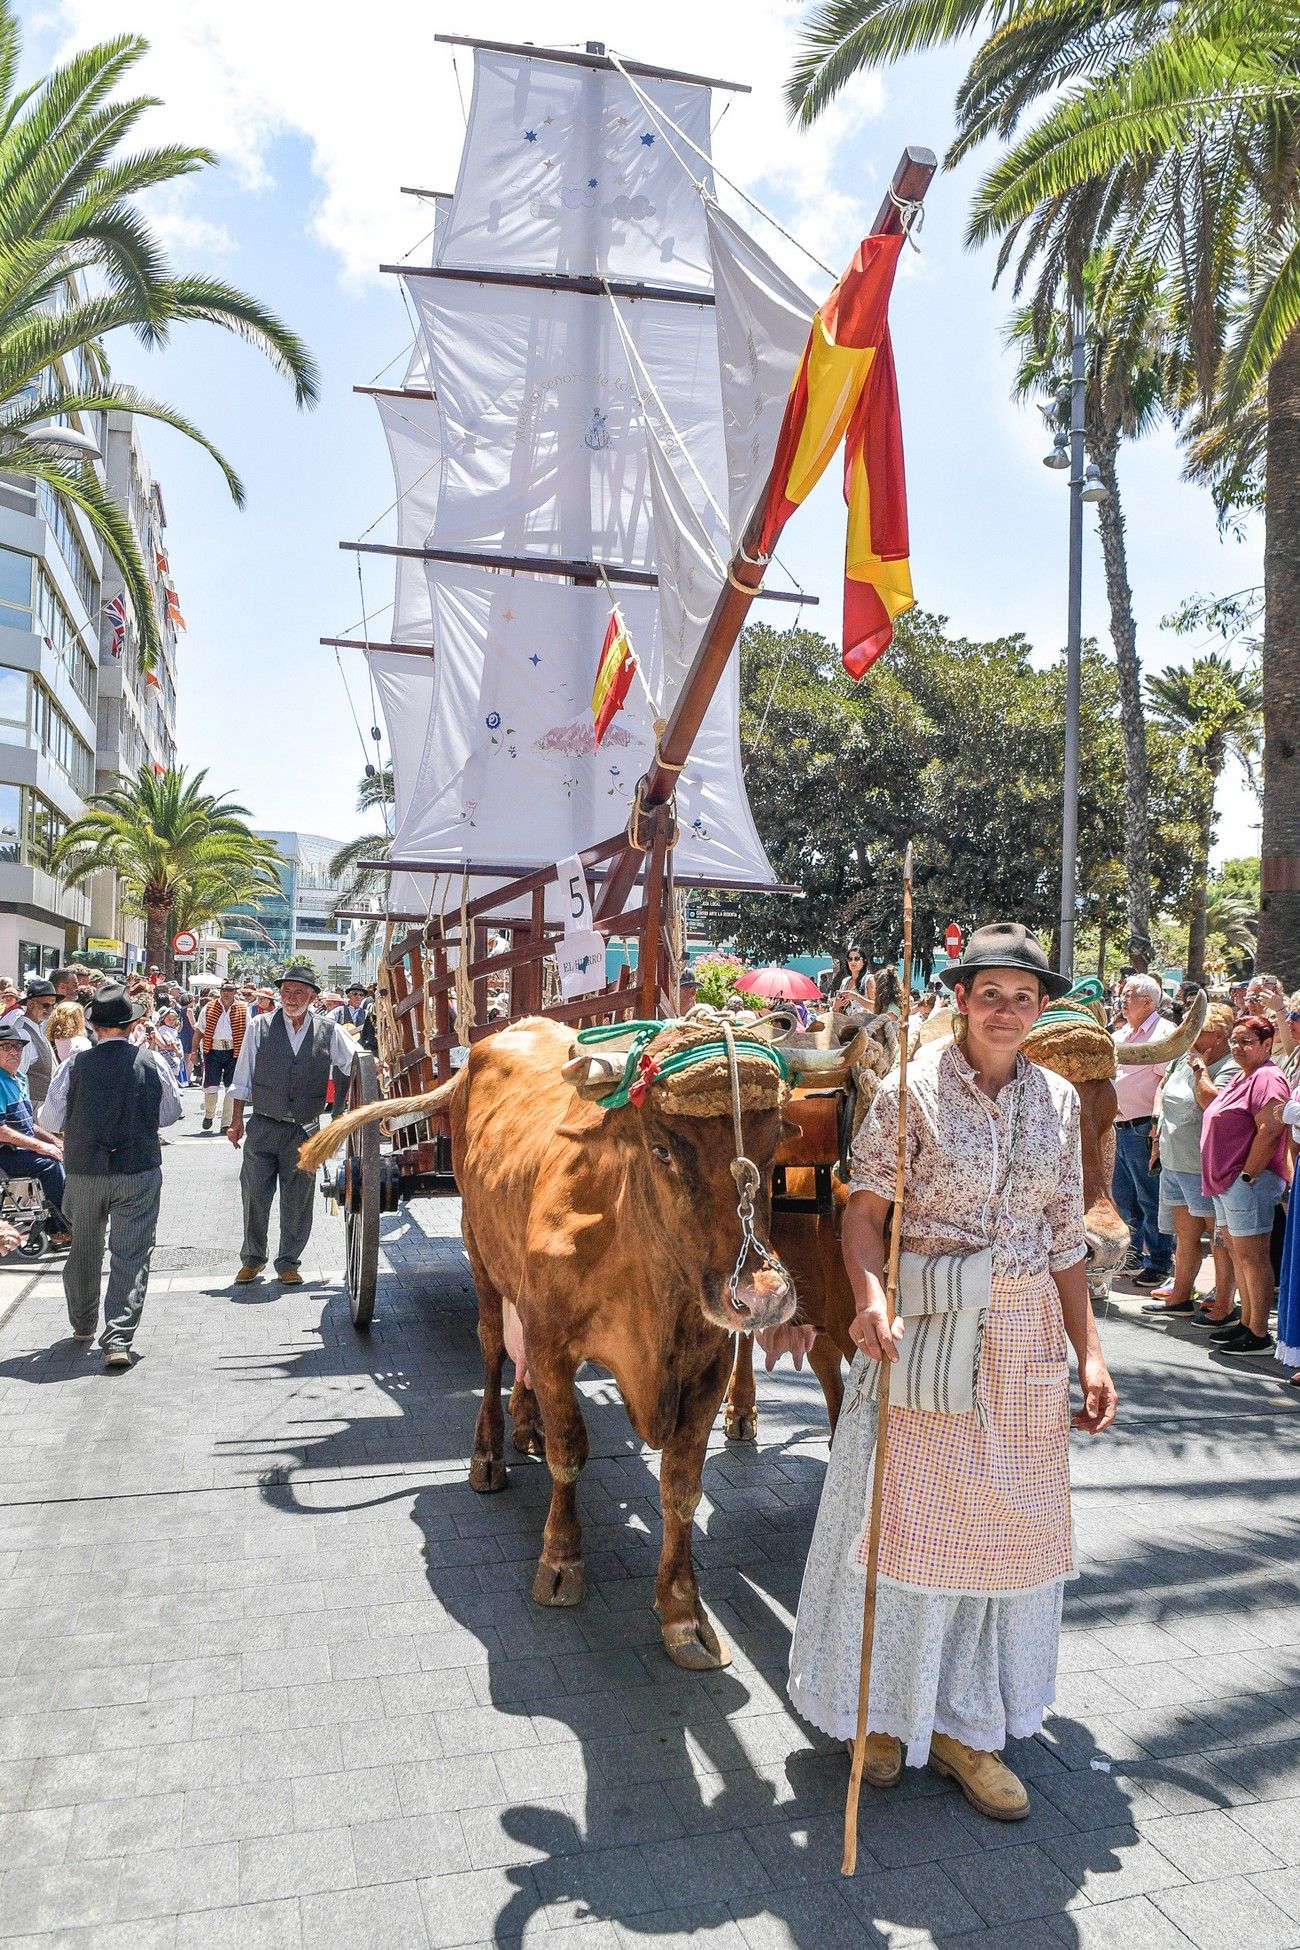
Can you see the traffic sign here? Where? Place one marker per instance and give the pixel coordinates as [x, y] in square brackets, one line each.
[185, 944]
[952, 940]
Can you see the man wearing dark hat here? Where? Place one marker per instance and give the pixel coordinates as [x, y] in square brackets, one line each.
[39, 1059]
[109, 1102]
[284, 1072]
[26, 1152]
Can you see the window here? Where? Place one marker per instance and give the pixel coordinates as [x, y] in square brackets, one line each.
[10, 825]
[15, 588]
[67, 642]
[13, 696]
[42, 827]
[53, 734]
[55, 510]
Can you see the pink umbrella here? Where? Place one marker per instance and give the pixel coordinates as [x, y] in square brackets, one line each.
[777, 984]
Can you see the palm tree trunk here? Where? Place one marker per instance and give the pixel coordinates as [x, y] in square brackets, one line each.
[1279, 917]
[1195, 969]
[156, 942]
[1123, 631]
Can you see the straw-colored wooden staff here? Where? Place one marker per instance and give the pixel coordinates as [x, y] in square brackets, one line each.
[850, 1861]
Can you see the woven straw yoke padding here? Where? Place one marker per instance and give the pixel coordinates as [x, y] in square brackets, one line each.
[1081, 1052]
[704, 1089]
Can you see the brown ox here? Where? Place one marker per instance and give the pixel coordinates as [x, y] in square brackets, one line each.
[614, 1234]
[1079, 1049]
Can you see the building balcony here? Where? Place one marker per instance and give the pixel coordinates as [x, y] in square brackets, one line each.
[31, 889]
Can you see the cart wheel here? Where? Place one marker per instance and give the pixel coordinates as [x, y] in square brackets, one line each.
[34, 1244]
[361, 1205]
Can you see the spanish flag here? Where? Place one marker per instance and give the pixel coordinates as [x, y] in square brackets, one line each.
[614, 674]
[846, 389]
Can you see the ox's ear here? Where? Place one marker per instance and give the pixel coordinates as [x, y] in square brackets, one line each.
[593, 1077]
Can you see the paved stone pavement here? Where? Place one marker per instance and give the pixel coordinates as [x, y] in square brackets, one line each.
[270, 1675]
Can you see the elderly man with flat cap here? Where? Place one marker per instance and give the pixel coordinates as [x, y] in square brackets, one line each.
[109, 1102]
[284, 1072]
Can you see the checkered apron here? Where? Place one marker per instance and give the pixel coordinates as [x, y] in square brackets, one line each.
[970, 1509]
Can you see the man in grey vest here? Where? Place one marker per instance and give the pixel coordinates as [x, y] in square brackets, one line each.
[109, 1102]
[39, 1059]
[284, 1072]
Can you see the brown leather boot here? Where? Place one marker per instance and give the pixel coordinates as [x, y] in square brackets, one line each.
[247, 1274]
[882, 1760]
[986, 1781]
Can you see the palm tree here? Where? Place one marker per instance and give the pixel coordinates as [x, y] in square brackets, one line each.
[170, 843]
[364, 883]
[1218, 709]
[77, 262]
[1123, 399]
[1231, 915]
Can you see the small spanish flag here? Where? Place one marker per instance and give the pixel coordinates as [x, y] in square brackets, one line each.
[614, 674]
[846, 389]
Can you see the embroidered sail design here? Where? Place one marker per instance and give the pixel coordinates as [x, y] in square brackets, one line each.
[606, 400]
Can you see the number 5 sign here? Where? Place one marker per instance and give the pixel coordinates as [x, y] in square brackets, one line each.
[580, 955]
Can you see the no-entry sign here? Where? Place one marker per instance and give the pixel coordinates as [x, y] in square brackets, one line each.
[185, 944]
[952, 940]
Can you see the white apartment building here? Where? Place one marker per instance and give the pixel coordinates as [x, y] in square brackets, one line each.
[299, 919]
[136, 718]
[74, 718]
[50, 595]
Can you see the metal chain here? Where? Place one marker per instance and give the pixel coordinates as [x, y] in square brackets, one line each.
[746, 1174]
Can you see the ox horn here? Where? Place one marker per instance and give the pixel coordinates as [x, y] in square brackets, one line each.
[592, 1077]
[775, 1026]
[1170, 1047]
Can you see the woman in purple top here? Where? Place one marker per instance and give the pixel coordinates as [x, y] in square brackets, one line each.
[1243, 1162]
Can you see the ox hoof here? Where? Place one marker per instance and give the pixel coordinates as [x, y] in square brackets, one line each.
[487, 1473]
[742, 1428]
[530, 1441]
[695, 1646]
[559, 1584]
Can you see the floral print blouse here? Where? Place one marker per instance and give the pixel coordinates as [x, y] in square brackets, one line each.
[957, 1178]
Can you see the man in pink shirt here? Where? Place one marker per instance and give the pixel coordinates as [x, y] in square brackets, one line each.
[1136, 1188]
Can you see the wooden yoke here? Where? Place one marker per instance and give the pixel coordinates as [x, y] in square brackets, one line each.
[910, 182]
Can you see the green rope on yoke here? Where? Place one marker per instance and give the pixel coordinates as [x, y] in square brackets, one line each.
[683, 1059]
[1077, 1003]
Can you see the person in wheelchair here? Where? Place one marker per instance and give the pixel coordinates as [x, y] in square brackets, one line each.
[26, 1152]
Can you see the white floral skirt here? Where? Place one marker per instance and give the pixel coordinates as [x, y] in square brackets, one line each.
[977, 1666]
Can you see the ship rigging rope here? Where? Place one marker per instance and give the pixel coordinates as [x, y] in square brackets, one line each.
[374, 702]
[662, 116]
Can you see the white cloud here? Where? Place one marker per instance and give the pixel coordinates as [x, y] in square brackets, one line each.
[378, 104]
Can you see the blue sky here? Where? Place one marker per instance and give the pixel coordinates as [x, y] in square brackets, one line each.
[317, 128]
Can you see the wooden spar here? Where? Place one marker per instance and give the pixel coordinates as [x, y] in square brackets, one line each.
[542, 565]
[396, 392]
[590, 287]
[910, 181]
[361, 643]
[849, 1862]
[406, 190]
[535, 565]
[593, 57]
[525, 886]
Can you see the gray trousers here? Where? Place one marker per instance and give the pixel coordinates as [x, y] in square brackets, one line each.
[271, 1164]
[125, 1205]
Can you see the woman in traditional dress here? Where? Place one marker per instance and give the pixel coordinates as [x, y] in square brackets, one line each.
[975, 1538]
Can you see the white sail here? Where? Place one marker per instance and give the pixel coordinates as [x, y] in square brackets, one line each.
[575, 427]
[543, 432]
[564, 170]
[411, 428]
[500, 765]
[763, 319]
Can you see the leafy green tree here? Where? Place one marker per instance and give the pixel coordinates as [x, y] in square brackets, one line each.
[78, 261]
[956, 746]
[1217, 710]
[173, 846]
